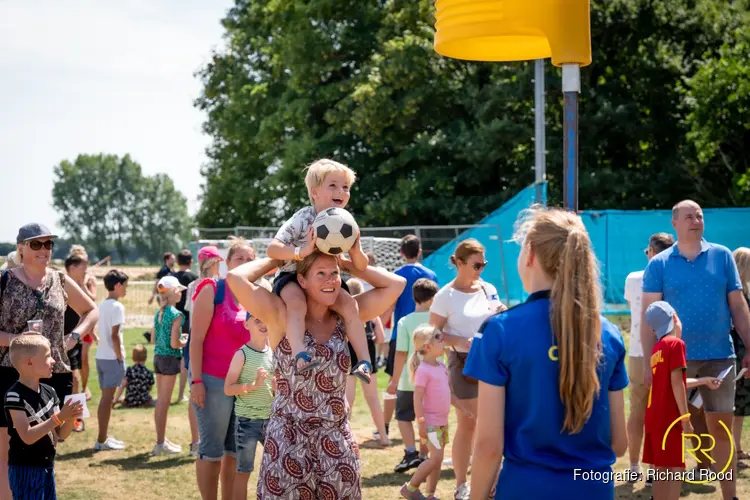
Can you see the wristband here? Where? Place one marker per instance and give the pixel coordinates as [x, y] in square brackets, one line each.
[193, 382]
[58, 422]
[298, 254]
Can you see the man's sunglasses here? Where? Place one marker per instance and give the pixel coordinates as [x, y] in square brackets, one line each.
[478, 266]
[37, 245]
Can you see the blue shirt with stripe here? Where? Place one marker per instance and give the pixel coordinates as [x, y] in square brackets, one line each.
[516, 349]
[698, 291]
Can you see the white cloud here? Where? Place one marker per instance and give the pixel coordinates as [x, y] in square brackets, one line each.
[90, 77]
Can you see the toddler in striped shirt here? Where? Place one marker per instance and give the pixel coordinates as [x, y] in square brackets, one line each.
[249, 380]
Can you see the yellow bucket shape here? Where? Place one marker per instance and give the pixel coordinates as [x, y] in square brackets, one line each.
[514, 30]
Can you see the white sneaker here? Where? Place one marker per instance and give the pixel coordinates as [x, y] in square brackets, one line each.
[109, 444]
[164, 449]
[193, 449]
[463, 492]
[448, 462]
[115, 440]
[171, 444]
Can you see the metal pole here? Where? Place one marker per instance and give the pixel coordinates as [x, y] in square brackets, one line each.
[571, 85]
[540, 140]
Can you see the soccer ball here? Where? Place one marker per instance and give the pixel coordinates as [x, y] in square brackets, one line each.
[336, 231]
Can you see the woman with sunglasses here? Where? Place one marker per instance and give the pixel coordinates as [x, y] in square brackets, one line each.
[32, 291]
[459, 309]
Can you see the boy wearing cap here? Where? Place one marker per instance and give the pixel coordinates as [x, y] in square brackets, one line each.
[110, 354]
[667, 402]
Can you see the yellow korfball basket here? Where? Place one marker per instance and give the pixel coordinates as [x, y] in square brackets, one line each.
[514, 30]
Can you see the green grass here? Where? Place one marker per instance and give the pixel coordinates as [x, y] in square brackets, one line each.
[133, 473]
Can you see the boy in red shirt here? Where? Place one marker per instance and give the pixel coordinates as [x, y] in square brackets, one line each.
[667, 402]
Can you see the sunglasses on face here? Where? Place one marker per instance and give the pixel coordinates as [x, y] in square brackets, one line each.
[37, 245]
[478, 266]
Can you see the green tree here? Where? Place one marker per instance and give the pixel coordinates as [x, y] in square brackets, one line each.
[718, 96]
[435, 140]
[161, 222]
[106, 202]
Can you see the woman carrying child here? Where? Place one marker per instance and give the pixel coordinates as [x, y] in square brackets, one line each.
[432, 404]
[167, 357]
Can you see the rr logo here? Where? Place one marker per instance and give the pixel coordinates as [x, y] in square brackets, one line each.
[699, 438]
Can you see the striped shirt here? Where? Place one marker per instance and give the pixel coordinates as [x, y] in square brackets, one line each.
[255, 404]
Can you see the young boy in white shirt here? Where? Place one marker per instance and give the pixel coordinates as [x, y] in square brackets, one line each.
[110, 354]
[328, 184]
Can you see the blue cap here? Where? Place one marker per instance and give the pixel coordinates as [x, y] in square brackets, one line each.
[660, 316]
[34, 231]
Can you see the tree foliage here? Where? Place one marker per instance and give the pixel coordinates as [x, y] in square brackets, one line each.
[107, 202]
[435, 140]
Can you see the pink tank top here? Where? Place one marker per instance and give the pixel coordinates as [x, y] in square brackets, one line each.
[225, 335]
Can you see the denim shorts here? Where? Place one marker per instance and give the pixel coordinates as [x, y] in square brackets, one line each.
[215, 422]
[247, 433]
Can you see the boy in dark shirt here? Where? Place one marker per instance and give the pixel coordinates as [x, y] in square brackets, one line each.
[35, 420]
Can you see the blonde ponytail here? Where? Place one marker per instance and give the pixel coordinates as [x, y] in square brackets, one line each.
[413, 365]
[559, 240]
[422, 335]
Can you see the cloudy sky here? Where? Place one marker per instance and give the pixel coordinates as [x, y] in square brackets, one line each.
[86, 76]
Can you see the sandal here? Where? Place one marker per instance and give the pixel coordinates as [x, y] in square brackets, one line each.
[310, 363]
[743, 455]
[362, 370]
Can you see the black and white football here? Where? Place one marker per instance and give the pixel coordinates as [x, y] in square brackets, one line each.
[336, 231]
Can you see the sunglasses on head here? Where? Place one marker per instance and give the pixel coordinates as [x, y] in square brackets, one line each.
[37, 245]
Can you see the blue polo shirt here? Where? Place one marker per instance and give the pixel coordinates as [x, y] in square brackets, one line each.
[515, 349]
[698, 292]
[405, 303]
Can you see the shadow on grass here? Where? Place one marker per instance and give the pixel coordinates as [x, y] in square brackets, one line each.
[628, 490]
[374, 444]
[144, 461]
[84, 453]
[398, 479]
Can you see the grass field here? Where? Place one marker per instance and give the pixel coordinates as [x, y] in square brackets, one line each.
[83, 474]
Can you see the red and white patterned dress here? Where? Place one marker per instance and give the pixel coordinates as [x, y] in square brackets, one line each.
[310, 452]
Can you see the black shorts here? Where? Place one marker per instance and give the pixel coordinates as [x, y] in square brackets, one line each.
[391, 357]
[370, 350]
[283, 279]
[62, 383]
[405, 406]
[74, 355]
[167, 365]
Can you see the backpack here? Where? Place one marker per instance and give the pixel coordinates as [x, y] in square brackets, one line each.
[221, 290]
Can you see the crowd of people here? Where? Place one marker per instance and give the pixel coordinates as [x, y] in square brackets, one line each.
[537, 389]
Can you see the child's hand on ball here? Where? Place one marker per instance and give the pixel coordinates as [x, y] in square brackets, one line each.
[309, 247]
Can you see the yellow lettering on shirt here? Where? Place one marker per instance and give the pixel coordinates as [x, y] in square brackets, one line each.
[656, 358]
[552, 353]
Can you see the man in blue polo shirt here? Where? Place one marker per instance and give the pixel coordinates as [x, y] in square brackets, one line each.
[700, 280]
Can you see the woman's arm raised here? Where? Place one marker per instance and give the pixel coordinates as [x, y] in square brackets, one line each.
[258, 301]
[386, 289]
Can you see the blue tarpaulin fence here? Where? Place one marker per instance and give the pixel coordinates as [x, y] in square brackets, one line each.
[618, 236]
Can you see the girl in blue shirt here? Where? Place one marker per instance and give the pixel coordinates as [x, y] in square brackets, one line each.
[551, 374]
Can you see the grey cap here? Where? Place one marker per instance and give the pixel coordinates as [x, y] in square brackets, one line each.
[660, 316]
[33, 231]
